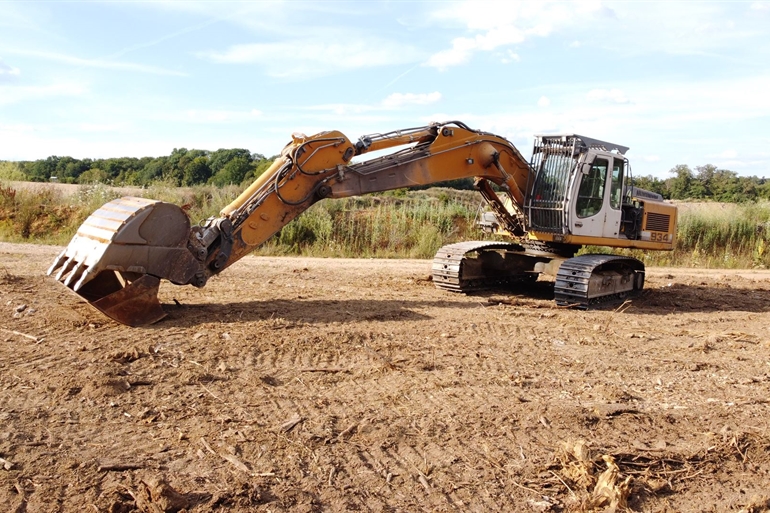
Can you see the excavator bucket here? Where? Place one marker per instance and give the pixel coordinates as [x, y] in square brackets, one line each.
[121, 252]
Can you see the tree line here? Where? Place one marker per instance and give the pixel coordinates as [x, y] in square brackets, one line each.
[182, 168]
[706, 183]
[237, 165]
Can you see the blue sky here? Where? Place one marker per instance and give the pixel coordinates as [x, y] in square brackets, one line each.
[678, 82]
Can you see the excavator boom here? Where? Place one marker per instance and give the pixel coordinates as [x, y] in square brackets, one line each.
[122, 251]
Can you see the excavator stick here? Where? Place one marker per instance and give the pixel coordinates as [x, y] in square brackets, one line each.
[120, 253]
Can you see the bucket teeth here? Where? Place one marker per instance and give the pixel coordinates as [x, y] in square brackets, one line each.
[70, 271]
[65, 269]
[75, 275]
[57, 263]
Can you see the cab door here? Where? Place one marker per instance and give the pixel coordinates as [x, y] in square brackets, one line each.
[597, 196]
[615, 197]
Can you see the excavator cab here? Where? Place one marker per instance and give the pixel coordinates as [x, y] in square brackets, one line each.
[597, 189]
[578, 187]
[581, 193]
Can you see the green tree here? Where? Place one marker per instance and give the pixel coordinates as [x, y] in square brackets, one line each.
[130, 171]
[763, 188]
[42, 170]
[703, 186]
[220, 158]
[726, 186]
[233, 172]
[197, 171]
[152, 171]
[652, 184]
[93, 175]
[11, 171]
[174, 166]
[679, 186]
[68, 169]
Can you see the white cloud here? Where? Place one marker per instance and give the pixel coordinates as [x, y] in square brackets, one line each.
[43, 142]
[543, 101]
[100, 127]
[95, 63]
[133, 138]
[18, 127]
[265, 15]
[8, 70]
[728, 154]
[166, 37]
[463, 48]
[221, 116]
[510, 56]
[27, 16]
[503, 23]
[393, 102]
[315, 57]
[667, 27]
[608, 96]
[682, 28]
[397, 100]
[342, 109]
[17, 94]
[460, 53]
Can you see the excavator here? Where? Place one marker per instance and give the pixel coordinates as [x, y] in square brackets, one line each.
[574, 191]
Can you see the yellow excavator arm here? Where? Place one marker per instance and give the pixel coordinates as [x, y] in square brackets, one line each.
[320, 166]
[122, 251]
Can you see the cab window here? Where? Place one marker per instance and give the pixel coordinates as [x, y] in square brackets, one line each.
[591, 193]
[616, 189]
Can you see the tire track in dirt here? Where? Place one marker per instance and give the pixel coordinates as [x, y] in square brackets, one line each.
[408, 398]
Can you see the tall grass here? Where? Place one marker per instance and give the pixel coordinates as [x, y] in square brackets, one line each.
[714, 236]
[400, 224]
[414, 225]
[725, 235]
[43, 214]
[37, 214]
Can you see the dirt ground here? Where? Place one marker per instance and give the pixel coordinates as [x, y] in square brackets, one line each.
[298, 384]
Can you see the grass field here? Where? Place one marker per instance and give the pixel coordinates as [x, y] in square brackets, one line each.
[399, 224]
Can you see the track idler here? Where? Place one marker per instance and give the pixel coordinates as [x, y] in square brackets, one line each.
[121, 252]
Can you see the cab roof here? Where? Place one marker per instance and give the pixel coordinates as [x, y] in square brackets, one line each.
[585, 142]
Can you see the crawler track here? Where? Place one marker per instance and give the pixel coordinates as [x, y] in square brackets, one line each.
[454, 271]
[589, 279]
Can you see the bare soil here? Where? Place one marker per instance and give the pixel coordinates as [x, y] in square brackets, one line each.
[298, 384]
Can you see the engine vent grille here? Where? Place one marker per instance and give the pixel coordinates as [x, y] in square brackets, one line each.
[657, 222]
